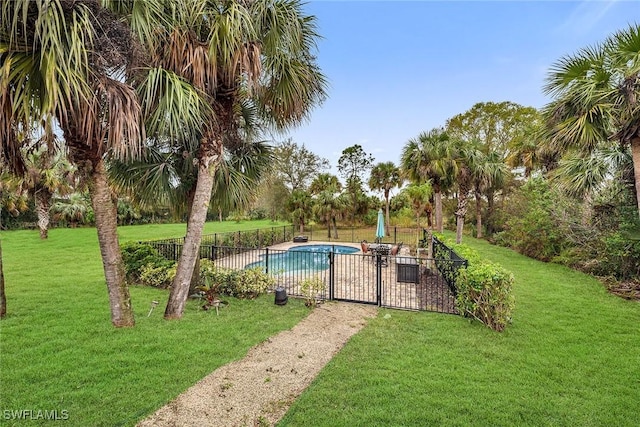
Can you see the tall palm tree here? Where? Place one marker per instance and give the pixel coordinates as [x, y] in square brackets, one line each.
[384, 177]
[67, 63]
[47, 173]
[597, 98]
[257, 53]
[428, 158]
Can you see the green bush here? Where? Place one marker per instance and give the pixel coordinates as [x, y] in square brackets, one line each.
[484, 293]
[253, 282]
[247, 284]
[138, 256]
[483, 288]
[158, 275]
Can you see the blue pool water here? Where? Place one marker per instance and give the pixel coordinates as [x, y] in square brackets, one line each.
[307, 257]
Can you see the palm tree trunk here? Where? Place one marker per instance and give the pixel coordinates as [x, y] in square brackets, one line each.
[3, 298]
[461, 212]
[42, 199]
[335, 227]
[478, 215]
[437, 195]
[386, 214]
[635, 155]
[105, 210]
[190, 250]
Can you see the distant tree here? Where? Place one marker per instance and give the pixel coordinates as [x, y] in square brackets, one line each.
[297, 166]
[428, 158]
[597, 98]
[354, 162]
[384, 177]
[419, 196]
[327, 205]
[494, 125]
[324, 181]
[466, 157]
[300, 205]
[47, 174]
[13, 197]
[353, 165]
[74, 209]
[489, 173]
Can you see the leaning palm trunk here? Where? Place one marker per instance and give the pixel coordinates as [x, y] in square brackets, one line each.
[105, 210]
[193, 238]
[43, 201]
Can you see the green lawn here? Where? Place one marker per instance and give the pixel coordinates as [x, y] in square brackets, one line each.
[570, 358]
[59, 352]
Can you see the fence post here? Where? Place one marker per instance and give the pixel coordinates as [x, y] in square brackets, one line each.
[266, 260]
[378, 279]
[331, 276]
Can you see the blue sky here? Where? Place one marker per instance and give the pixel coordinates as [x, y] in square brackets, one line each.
[397, 68]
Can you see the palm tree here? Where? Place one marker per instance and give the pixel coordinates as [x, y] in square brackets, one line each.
[232, 53]
[428, 158]
[66, 63]
[299, 204]
[329, 207]
[465, 158]
[419, 196]
[47, 174]
[597, 98]
[327, 204]
[73, 210]
[13, 198]
[488, 173]
[384, 177]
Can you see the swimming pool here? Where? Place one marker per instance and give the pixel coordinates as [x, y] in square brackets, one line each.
[301, 258]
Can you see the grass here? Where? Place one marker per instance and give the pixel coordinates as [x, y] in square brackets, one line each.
[570, 358]
[59, 352]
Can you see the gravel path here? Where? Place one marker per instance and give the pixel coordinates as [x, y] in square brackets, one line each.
[261, 387]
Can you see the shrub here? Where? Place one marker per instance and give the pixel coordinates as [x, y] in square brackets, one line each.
[236, 283]
[253, 282]
[483, 288]
[158, 275]
[137, 256]
[484, 293]
[311, 288]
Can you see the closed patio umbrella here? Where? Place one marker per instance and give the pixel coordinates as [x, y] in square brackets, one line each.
[380, 228]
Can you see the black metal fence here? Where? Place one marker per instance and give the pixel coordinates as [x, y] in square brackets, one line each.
[448, 262]
[244, 240]
[402, 282]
